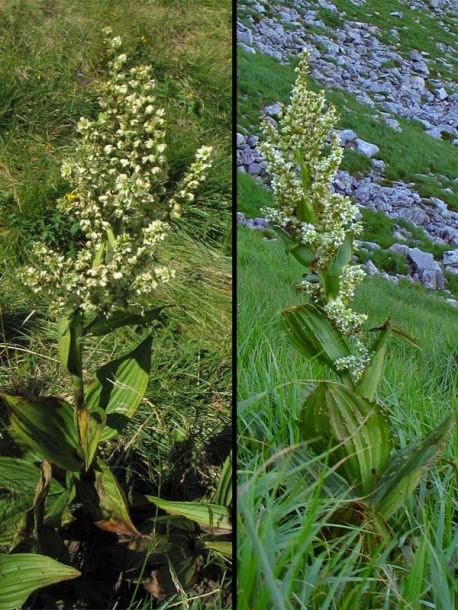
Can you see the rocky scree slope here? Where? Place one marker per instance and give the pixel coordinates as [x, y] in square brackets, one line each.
[392, 80]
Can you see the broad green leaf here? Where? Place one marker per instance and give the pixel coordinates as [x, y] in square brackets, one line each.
[58, 508]
[313, 334]
[405, 470]
[22, 476]
[372, 375]
[99, 256]
[106, 502]
[220, 546]
[334, 271]
[18, 482]
[35, 536]
[41, 493]
[333, 416]
[223, 494]
[46, 425]
[90, 428]
[121, 318]
[301, 252]
[306, 181]
[21, 574]
[212, 516]
[120, 387]
[305, 210]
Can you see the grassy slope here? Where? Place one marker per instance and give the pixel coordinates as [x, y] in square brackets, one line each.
[418, 389]
[252, 197]
[285, 566]
[410, 156]
[179, 439]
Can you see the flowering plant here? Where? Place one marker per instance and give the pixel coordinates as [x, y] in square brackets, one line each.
[317, 227]
[316, 223]
[118, 175]
[121, 197]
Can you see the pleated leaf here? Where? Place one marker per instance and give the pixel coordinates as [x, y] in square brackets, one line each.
[368, 383]
[214, 518]
[21, 574]
[220, 546]
[46, 425]
[334, 416]
[120, 387]
[301, 252]
[334, 271]
[69, 332]
[18, 482]
[106, 502]
[313, 334]
[405, 469]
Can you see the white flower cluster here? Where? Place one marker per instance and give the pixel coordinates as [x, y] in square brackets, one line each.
[306, 206]
[301, 136]
[118, 175]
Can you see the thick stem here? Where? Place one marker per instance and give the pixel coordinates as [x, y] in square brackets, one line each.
[78, 391]
[70, 338]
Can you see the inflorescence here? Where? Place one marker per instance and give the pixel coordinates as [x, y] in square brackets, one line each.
[302, 173]
[118, 176]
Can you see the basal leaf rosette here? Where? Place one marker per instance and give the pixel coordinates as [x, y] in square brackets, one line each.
[121, 198]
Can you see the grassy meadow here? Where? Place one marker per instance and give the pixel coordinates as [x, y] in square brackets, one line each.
[51, 65]
[280, 517]
[288, 557]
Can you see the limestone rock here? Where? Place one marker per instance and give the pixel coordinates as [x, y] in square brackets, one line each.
[450, 258]
[429, 270]
[273, 110]
[366, 148]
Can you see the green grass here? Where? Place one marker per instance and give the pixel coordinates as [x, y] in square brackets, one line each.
[330, 18]
[385, 261]
[379, 228]
[285, 562]
[410, 155]
[51, 65]
[251, 196]
[49, 74]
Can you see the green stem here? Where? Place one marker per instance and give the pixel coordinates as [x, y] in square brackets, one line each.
[78, 391]
[70, 340]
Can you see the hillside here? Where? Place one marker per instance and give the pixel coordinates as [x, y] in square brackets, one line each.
[306, 540]
[391, 72]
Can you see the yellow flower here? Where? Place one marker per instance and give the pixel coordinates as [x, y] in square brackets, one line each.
[71, 196]
[142, 38]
